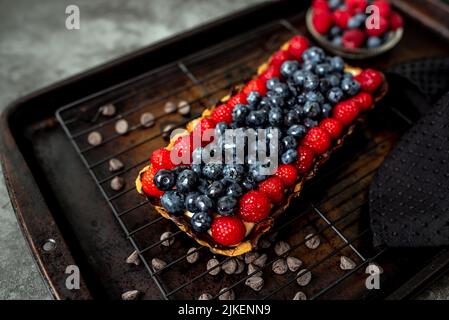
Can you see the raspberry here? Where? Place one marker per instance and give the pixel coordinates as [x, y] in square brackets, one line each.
[356, 6]
[255, 85]
[288, 174]
[305, 159]
[239, 98]
[254, 206]
[318, 140]
[346, 112]
[297, 46]
[353, 39]
[228, 231]
[160, 159]
[396, 21]
[384, 8]
[279, 58]
[332, 126]
[364, 101]
[148, 186]
[370, 80]
[201, 129]
[377, 31]
[320, 5]
[322, 20]
[273, 189]
[341, 18]
[222, 113]
[182, 150]
[271, 72]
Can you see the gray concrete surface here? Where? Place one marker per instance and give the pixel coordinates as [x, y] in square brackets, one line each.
[36, 50]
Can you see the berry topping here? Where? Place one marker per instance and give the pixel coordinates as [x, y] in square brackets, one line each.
[204, 204]
[160, 159]
[254, 206]
[380, 29]
[227, 205]
[288, 174]
[182, 150]
[364, 101]
[353, 39]
[164, 180]
[305, 159]
[384, 7]
[346, 112]
[228, 231]
[318, 140]
[341, 18]
[187, 181]
[173, 202]
[396, 21]
[239, 98]
[322, 20]
[332, 126]
[273, 189]
[201, 221]
[356, 6]
[256, 85]
[216, 189]
[222, 113]
[190, 201]
[279, 58]
[148, 186]
[370, 80]
[271, 72]
[297, 46]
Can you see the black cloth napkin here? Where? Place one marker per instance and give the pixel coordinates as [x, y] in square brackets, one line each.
[409, 195]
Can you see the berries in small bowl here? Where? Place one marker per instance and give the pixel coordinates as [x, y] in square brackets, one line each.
[355, 29]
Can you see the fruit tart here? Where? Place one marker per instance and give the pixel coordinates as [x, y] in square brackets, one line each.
[308, 103]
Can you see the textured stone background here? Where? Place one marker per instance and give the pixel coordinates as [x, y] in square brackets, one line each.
[36, 50]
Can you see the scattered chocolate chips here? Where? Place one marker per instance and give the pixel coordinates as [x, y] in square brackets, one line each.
[169, 107]
[94, 138]
[293, 264]
[280, 266]
[184, 108]
[250, 257]
[211, 265]
[300, 296]
[240, 266]
[168, 239]
[312, 241]
[192, 255]
[117, 183]
[347, 263]
[205, 296]
[261, 260]
[252, 268]
[281, 248]
[228, 295]
[158, 264]
[133, 258]
[305, 276]
[255, 283]
[230, 266]
[115, 165]
[108, 110]
[131, 295]
[147, 119]
[121, 126]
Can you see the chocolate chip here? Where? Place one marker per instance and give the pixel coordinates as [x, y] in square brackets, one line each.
[300, 296]
[94, 138]
[240, 266]
[255, 283]
[228, 295]
[293, 264]
[169, 107]
[147, 119]
[130, 295]
[115, 165]
[184, 108]
[281, 248]
[108, 110]
[168, 237]
[211, 266]
[121, 126]
[117, 183]
[158, 264]
[205, 296]
[192, 255]
[280, 266]
[133, 258]
[312, 241]
[347, 263]
[230, 266]
[252, 268]
[260, 261]
[250, 257]
[305, 276]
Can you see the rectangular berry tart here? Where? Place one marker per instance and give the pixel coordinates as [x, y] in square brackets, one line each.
[305, 102]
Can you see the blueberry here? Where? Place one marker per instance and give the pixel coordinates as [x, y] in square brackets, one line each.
[326, 110]
[292, 117]
[325, 85]
[227, 205]
[234, 190]
[290, 102]
[311, 82]
[354, 23]
[309, 66]
[179, 169]
[348, 75]
[334, 4]
[281, 90]
[361, 17]
[334, 80]
[197, 156]
[289, 142]
[301, 98]
[249, 184]
[204, 203]
[337, 64]
[265, 101]
[313, 54]
[350, 87]
[255, 172]
[234, 172]
[373, 42]
[213, 171]
[190, 201]
[271, 83]
[197, 168]
[164, 180]
[310, 123]
[299, 77]
[297, 131]
[323, 69]
[289, 156]
[215, 189]
[239, 113]
[186, 181]
[253, 98]
[315, 96]
[201, 222]
[202, 185]
[335, 95]
[276, 101]
[335, 31]
[289, 67]
[312, 109]
[220, 129]
[337, 41]
[256, 119]
[173, 202]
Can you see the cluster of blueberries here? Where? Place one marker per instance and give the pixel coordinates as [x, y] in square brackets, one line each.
[306, 95]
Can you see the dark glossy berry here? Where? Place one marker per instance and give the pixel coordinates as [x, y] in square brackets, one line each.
[289, 156]
[204, 203]
[202, 185]
[313, 54]
[275, 116]
[253, 98]
[301, 98]
[335, 95]
[201, 222]
[282, 90]
[220, 129]
[173, 202]
[249, 184]
[323, 69]
[289, 142]
[197, 168]
[234, 172]
[335, 31]
[234, 190]
[315, 96]
[337, 64]
[310, 123]
[239, 113]
[299, 77]
[289, 67]
[373, 42]
[177, 170]
[334, 80]
[325, 85]
[216, 189]
[326, 110]
[276, 101]
[292, 117]
[190, 201]
[164, 180]
[186, 181]
[309, 66]
[312, 109]
[213, 171]
[226, 206]
[271, 83]
[256, 119]
[297, 131]
[350, 87]
[197, 156]
[255, 171]
[311, 82]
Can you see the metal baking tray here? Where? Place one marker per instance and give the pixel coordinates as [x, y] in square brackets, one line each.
[59, 185]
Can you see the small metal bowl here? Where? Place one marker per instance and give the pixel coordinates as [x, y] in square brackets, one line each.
[360, 53]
